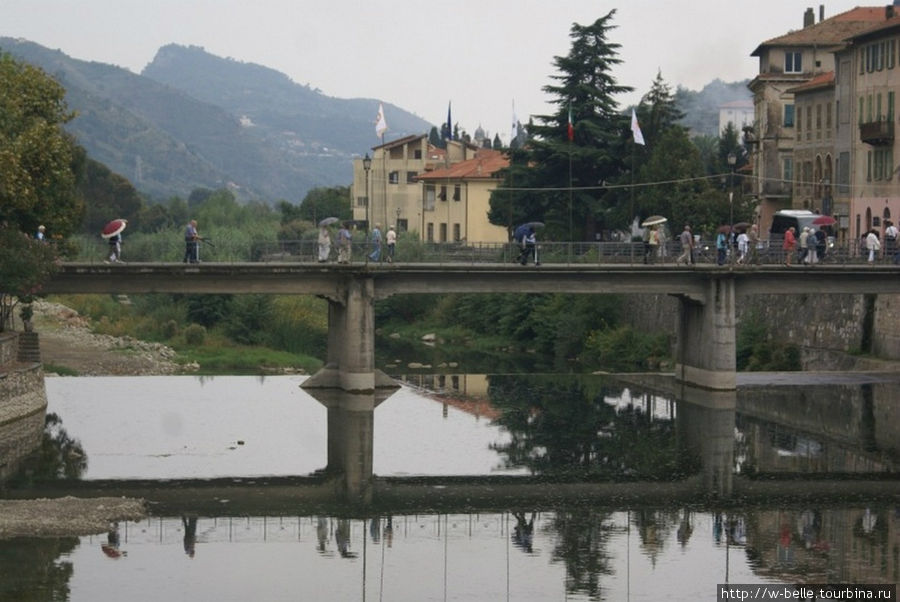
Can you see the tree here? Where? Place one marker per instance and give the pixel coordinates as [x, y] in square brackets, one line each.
[110, 196]
[25, 264]
[39, 161]
[562, 184]
[434, 138]
[658, 111]
[497, 144]
[323, 202]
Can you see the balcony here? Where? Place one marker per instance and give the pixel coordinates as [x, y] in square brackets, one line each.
[877, 133]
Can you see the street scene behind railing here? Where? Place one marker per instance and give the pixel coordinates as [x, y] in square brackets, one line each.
[462, 252]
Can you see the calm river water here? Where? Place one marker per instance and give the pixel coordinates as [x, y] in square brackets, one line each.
[500, 487]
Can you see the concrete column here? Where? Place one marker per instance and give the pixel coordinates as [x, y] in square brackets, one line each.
[350, 361]
[705, 422]
[705, 350]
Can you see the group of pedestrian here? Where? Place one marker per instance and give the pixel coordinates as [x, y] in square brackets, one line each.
[654, 244]
[345, 244]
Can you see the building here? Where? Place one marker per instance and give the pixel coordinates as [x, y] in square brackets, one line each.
[786, 63]
[870, 74]
[739, 113]
[455, 200]
[388, 191]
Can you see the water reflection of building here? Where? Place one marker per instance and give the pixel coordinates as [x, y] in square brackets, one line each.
[819, 545]
[820, 429]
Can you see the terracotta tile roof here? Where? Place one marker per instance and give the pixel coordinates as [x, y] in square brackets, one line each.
[400, 141]
[483, 167]
[881, 29]
[831, 31]
[821, 81]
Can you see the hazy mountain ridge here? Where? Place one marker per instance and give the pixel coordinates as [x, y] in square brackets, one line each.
[168, 142]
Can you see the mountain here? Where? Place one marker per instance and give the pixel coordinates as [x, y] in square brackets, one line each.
[212, 122]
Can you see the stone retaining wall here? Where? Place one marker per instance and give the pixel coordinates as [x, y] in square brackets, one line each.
[23, 404]
[825, 327]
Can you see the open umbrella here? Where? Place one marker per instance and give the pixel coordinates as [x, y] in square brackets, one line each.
[741, 226]
[534, 225]
[328, 221]
[654, 220]
[114, 227]
[824, 220]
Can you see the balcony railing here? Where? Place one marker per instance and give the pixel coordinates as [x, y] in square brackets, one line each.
[877, 133]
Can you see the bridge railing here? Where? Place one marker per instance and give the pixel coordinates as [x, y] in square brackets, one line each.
[152, 249]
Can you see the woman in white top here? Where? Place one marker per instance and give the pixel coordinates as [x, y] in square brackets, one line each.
[873, 245]
[324, 244]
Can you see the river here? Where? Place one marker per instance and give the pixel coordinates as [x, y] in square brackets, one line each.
[490, 487]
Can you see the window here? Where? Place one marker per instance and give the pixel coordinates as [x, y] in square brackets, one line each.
[843, 171]
[828, 117]
[402, 225]
[360, 201]
[809, 123]
[799, 122]
[869, 166]
[443, 195]
[861, 57]
[792, 62]
[878, 114]
[429, 229]
[818, 121]
[789, 116]
[411, 176]
[868, 109]
[429, 197]
[443, 233]
[418, 153]
[891, 50]
[879, 56]
[456, 233]
[456, 191]
[394, 177]
[860, 110]
[787, 169]
[890, 106]
[883, 164]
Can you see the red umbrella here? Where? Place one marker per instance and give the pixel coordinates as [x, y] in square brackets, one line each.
[114, 227]
[824, 220]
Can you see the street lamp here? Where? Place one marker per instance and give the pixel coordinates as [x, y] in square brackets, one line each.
[367, 165]
[732, 159]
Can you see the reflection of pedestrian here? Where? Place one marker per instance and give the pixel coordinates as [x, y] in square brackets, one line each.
[190, 534]
[111, 547]
[342, 537]
[322, 532]
[391, 243]
[375, 255]
[389, 531]
[191, 243]
[523, 533]
[345, 241]
[324, 244]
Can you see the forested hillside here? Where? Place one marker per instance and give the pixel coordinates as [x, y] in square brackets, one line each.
[168, 142]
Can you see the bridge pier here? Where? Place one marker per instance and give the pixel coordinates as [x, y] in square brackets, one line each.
[350, 358]
[705, 350]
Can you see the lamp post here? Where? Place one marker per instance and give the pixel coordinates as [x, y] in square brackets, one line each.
[367, 165]
[732, 159]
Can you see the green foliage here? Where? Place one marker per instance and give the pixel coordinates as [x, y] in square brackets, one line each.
[320, 203]
[25, 264]
[38, 159]
[299, 324]
[624, 348]
[208, 310]
[195, 335]
[109, 196]
[756, 352]
[248, 319]
[549, 164]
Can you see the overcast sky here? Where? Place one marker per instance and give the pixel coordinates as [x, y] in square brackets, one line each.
[483, 55]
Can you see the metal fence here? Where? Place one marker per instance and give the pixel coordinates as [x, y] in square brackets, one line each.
[152, 249]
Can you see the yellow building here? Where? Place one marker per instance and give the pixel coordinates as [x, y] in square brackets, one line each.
[454, 200]
[385, 189]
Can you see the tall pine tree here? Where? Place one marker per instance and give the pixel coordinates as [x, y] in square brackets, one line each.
[556, 180]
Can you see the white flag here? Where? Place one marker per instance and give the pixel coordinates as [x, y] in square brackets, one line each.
[636, 129]
[380, 123]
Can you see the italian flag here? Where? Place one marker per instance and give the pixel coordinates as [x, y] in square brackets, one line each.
[570, 131]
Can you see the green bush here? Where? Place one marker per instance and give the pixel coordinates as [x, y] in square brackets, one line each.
[194, 334]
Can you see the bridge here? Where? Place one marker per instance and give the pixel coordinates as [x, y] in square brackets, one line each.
[705, 347]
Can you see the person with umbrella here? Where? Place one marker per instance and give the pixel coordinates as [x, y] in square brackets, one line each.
[112, 232]
[191, 243]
